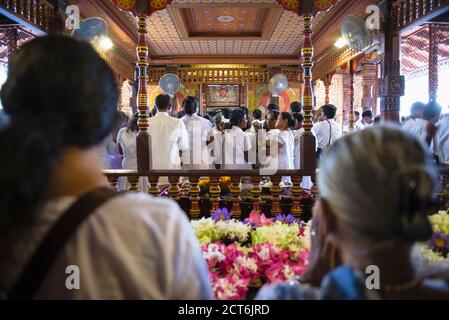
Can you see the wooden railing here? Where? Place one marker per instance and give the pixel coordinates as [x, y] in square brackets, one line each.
[198, 202]
[408, 12]
[39, 13]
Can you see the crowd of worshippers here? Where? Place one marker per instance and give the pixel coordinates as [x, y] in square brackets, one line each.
[376, 189]
[233, 139]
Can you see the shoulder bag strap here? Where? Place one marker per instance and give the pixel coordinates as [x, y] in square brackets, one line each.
[55, 240]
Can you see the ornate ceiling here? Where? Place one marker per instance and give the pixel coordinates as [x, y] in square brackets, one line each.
[258, 27]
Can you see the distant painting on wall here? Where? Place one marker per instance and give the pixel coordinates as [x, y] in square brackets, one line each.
[223, 96]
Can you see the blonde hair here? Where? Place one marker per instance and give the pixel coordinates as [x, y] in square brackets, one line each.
[379, 183]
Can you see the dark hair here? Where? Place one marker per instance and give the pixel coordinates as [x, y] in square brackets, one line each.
[257, 114]
[367, 113]
[432, 110]
[416, 107]
[356, 113]
[272, 107]
[329, 111]
[59, 93]
[275, 113]
[377, 119]
[298, 117]
[245, 111]
[226, 113]
[237, 115]
[132, 124]
[190, 105]
[288, 116]
[295, 107]
[163, 101]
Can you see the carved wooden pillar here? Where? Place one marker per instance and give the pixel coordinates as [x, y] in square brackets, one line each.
[174, 190]
[143, 105]
[113, 181]
[296, 197]
[308, 142]
[214, 191]
[133, 183]
[235, 191]
[351, 96]
[433, 61]
[194, 193]
[391, 85]
[369, 73]
[256, 191]
[275, 198]
[327, 83]
[154, 189]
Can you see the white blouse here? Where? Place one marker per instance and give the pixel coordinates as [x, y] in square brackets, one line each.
[132, 247]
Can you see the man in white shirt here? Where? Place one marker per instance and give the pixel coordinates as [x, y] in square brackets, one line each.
[327, 131]
[196, 155]
[441, 140]
[367, 118]
[236, 142]
[168, 136]
[358, 125]
[415, 124]
[424, 129]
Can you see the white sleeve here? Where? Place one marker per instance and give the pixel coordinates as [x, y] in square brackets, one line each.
[139, 247]
[183, 142]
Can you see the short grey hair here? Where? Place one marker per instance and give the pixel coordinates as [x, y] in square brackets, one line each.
[379, 183]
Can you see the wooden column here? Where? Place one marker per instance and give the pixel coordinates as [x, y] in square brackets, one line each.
[327, 83]
[351, 95]
[369, 76]
[214, 191]
[256, 191]
[143, 105]
[296, 197]
[391, 85]
[113, 181]
[236, 211]
[174, 190]
[308, 143]
[194, 193]
[275, 191]
[433, 61]
[133, 183]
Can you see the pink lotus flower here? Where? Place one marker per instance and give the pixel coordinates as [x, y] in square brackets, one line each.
[257, 219]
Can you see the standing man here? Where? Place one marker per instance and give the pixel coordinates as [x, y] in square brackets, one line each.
[168, 136]
[198, 128]
[367, 118]
[327, 131]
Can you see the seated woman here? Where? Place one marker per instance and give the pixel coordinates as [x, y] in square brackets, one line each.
[376, 188]
[61, 97]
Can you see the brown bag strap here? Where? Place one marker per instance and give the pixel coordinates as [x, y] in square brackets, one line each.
[55, 240]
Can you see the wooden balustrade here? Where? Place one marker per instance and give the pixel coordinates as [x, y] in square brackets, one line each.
[39, 13]
[410, 12]
[197, 205]
[272, 204]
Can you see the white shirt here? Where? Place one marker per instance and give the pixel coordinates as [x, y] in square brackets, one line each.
[168, 137]
[285, 153]
[416, 127]
[132, 247]
[127, 141]
[196, 155]
[326, 132]
[441, 140]
[235, 144]
[297, 149]
[105, 149]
